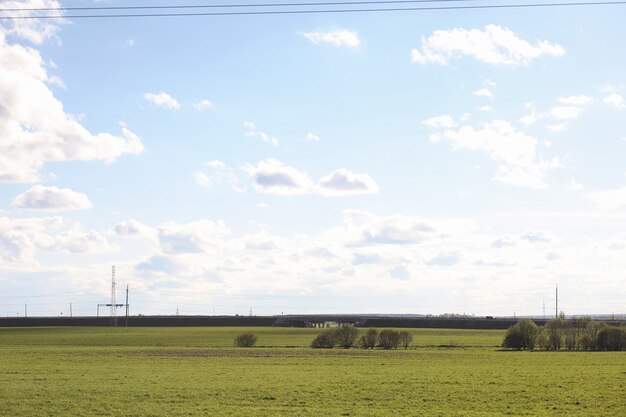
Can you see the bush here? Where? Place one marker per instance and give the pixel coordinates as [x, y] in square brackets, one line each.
[522, 335]
[345, 336]
[368, 340]
[388, 339]
[245, 340]
[325, 340]
[406, 338]
[612, 338]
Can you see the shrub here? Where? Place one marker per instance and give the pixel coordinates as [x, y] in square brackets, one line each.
[406, 338]
[368, 340]
[388, 339]
[325, 340]
[521, 335]
[345, 336]
[612, 338]
[245, 340]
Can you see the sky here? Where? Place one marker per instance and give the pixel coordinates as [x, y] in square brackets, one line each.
[410, 162]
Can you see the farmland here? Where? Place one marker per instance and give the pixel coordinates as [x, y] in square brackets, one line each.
[196, 372]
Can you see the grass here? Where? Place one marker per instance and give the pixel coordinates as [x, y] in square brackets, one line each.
[197, 372]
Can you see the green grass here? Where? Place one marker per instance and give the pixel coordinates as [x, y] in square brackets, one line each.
[196, 372]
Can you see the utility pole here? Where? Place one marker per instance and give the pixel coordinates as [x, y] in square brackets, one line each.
[126, 305]
[113, 299]
[556, 312]
[177, 309]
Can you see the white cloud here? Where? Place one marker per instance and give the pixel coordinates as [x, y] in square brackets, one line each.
[363, 229]
[274, 177]
[162, 99]
[33, 30]
[495, 45]
[574, 186]
[132, 228]
[513, 151]
[130, 42]
[483, 92]
[221, 174]
[44, 198]
[312, 138]
[537, 236]
[342, 182]
[444, 259]
[20, 239]
[445, 121]
[485, 109]
[338, 37]
[614, 100]
[203, 105]
[609, 199]
[251, 130]
[196, 237]
[534, 116]
[565, 112]
[560, 127]
[35, 128]
[580, 100]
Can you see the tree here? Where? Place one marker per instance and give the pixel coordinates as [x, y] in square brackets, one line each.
[406, 338]
[325, 340]
[522, 335]
[345, 336]
[368, 340]
[245, 340]
[554, 333]
[612, 338]
[388, 339]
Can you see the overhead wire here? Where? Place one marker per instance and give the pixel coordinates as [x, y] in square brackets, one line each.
[313, 11]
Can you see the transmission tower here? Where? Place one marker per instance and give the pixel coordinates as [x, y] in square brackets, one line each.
[113, 300]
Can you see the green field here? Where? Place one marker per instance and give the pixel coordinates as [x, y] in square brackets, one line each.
[197, 372]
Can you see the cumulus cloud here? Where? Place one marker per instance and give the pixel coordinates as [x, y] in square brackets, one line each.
[337, 37]
[343, 182]
[20, 239]
[565, 112]
[537, 236]
[274, 177]
[580, 100]
[203, 105]
[271, 176]
[614, 100]
[196, 237]
[445, 259]
[515, 152]
[312, 138]
[162, 99]
[34, 126]
[132, 228]
[367, 229]
[44, 198]
[251, 130]
[445, 121]
[495, 45]
[609, 199]
[219, 173]
[483, 92]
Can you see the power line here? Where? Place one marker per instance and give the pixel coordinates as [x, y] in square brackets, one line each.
[319, 11]
[227, 6]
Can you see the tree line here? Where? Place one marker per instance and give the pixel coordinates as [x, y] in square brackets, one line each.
[566, 334]
[349, 336]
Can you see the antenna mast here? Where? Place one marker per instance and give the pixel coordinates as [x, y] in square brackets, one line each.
[113, 300]
[556, 313]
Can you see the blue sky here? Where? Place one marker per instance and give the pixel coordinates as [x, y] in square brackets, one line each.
[411, 162]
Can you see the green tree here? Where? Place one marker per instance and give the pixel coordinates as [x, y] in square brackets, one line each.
[389, 339]
[245, 340]
[522, 335]
[368, 340]
[345, 336]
